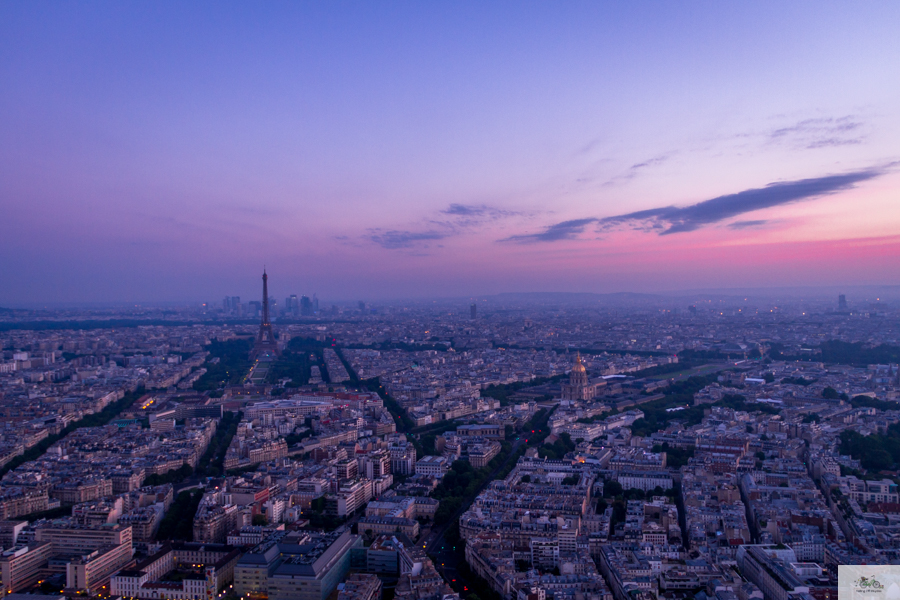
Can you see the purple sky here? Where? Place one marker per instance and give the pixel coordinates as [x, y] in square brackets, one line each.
[167, 150]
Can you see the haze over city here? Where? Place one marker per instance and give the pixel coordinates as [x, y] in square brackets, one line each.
[157, 152]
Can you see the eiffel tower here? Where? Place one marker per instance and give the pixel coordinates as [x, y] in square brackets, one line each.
[265, 340]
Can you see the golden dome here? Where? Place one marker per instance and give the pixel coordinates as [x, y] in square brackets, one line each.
[578, 368]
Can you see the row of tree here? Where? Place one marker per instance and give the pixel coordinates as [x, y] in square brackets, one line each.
[503, 392]
[178, 522]
[461, 484]
[845, 353]
[297, 361]
[212, 463]
[230, 369]
[875, 452]
[95, 420]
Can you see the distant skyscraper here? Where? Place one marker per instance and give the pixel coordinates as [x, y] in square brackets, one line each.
[292, 305]
[362, 305]
[315, 303]
[842, 302]
[306, 306]
[265, 340]
[473, 311]
[232, 304]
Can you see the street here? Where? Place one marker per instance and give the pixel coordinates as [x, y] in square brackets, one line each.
[443, 555]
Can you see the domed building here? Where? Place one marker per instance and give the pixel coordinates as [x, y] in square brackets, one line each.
[579, 386]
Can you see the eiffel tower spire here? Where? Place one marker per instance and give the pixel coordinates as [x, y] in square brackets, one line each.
[265, 340]
[265, 311]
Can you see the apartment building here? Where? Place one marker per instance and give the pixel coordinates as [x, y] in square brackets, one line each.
[21, 567]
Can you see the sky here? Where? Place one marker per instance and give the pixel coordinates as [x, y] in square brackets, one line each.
[169, 151]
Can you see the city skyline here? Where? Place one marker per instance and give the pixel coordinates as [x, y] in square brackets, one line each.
[159, 152]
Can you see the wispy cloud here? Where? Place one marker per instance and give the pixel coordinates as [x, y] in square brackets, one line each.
[652, 162]
[394, 240]
[679, 219]
[748, 224]
[455, 220]
[472, 213]
[781, 132]
[567, 230]
[830, 142]
[465, 210]
[588, 147]
[637, 168]
[820, 132]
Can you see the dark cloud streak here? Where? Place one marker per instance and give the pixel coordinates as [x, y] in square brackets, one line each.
[567, 230]
[674, 219]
